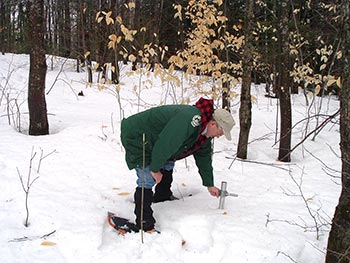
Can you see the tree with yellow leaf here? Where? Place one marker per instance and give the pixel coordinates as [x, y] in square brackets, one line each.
[204, 46]
[117, 41]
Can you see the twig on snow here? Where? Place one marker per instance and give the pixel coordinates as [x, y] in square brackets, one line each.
[21, 239]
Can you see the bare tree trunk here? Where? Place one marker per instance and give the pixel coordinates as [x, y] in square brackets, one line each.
[226, 98]
[86, 56]
[283, 84]
[245, 110]
[156, 29]
[137, 25]
[38, 123]
[48, 33]
[338, 250]
[67, 29]
[2, 27]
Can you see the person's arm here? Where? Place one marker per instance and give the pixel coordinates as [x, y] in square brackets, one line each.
[205, 168]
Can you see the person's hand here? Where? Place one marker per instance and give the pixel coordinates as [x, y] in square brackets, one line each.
[157, 176]
[214, 191]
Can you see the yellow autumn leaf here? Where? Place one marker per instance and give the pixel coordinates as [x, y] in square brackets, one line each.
[48, 243]
[128, 33]
[219, 2]
[111, 45]
[339, 82]
[124, 193]
[171, 69]
[113, 37]
[323, 66]
[318, 89]
[293, 51]
[253, 99]
[131, 5]
[216, 74]
[97, 15]
[148, 83]
[117, 88]
[132, 58]
[99, 19]
[109, 14]
[119, 19]
[237, 27]
[152, 52]
[330, 82]
[178, 13]
[296, 11]
[339, 54]
[162, 55]
[109, 20]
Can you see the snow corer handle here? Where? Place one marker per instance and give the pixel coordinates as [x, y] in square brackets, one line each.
[223, 194]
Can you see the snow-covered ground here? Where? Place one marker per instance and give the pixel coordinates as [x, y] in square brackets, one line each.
[84, 175]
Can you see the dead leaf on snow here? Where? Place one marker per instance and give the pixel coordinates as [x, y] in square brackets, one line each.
[48, 243]
[124, 193]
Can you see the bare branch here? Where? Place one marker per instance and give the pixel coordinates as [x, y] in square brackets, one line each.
[286, 255]
[26, 186]
[43, 157]
[53, 84]
[21, 179]
[262, 138]
[275, 165]
[21, 239]
[317, 129]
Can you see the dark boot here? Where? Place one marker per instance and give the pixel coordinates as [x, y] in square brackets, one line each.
[163, 192]
[148, 219]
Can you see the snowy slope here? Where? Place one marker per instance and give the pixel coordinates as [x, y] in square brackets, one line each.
[85, 175]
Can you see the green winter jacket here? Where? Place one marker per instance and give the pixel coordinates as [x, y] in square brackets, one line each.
[169, 130]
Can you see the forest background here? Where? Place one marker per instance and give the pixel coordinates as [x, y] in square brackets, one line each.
[291, 46]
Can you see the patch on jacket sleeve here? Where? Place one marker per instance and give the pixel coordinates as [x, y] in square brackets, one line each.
[196, 120]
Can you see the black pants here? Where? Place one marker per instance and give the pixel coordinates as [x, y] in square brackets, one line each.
[148, 219]
[162, 191]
